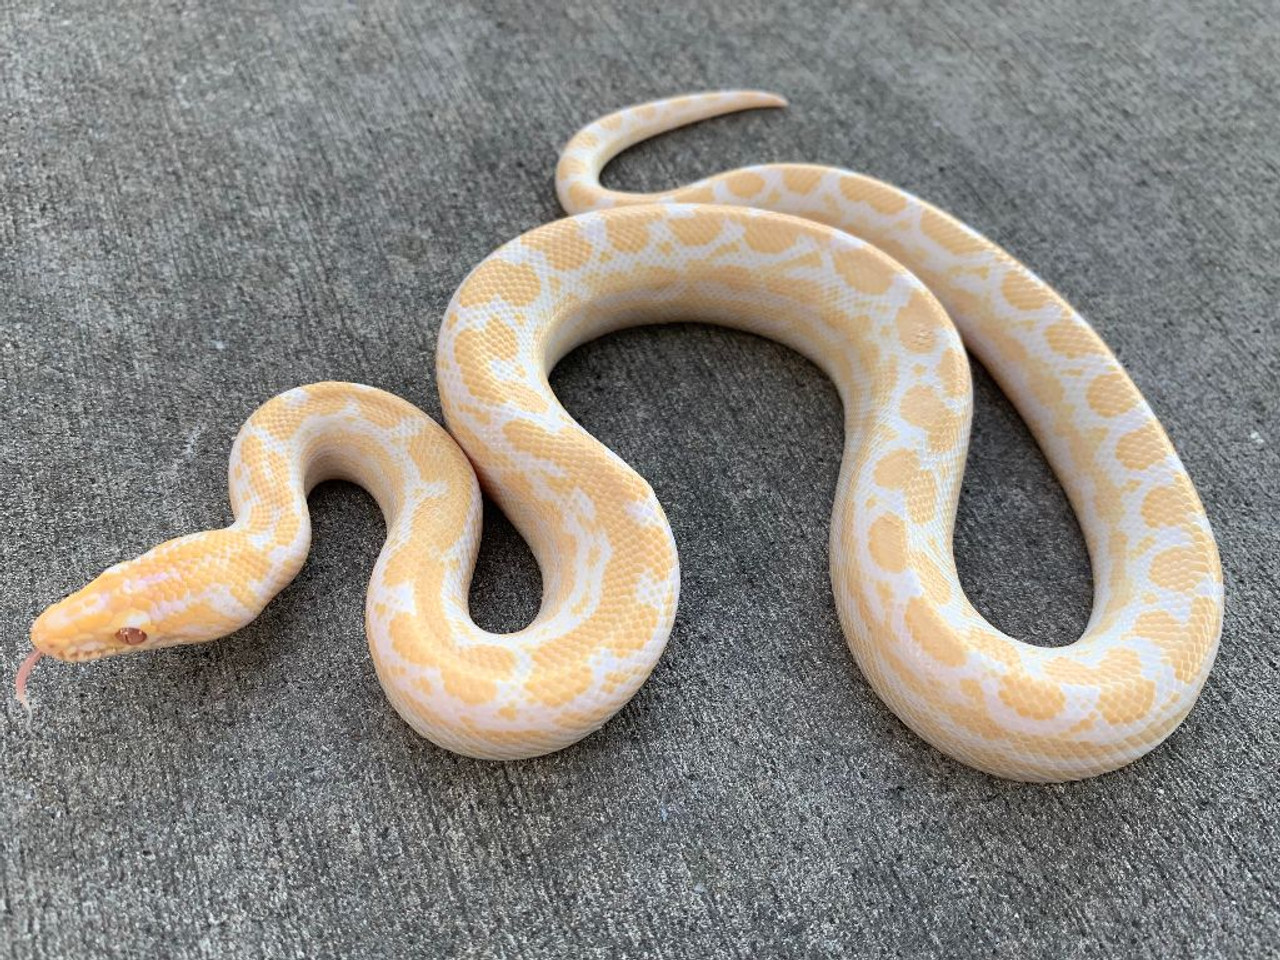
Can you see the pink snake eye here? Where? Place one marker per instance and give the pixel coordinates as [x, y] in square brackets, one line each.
[131, 635]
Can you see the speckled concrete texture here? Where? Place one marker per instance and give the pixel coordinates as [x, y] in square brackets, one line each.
[206, 204]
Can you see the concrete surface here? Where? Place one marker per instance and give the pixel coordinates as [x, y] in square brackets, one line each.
[205, 204]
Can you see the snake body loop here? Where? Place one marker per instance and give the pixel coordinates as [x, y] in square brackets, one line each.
[855, 274]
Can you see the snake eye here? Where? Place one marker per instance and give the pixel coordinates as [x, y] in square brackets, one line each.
[131, 635]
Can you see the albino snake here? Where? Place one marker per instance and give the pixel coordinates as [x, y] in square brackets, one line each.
[797, 253]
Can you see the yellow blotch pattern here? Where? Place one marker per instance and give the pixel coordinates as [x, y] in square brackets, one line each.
[516, 283]
[802, 180]
[745, 183]
[881, 197]
[888, 543]
[1111, 394]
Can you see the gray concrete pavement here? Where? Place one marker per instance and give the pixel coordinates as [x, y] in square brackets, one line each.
[206, 204]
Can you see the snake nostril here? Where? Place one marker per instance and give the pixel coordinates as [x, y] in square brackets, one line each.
[131, 635]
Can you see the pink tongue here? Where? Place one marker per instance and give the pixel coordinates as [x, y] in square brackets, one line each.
[24, 672]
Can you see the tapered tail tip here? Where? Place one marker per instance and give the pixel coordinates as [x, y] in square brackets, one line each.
[718, 102]
[767, 99]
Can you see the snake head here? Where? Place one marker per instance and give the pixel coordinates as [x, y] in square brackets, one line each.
[159, 599]
[109, 616]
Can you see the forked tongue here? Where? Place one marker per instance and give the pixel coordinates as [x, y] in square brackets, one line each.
[24, 673]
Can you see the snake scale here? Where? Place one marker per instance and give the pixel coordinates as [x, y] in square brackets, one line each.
[881, 290]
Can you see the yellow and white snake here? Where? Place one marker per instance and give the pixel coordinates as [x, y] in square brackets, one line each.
[855, 274]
